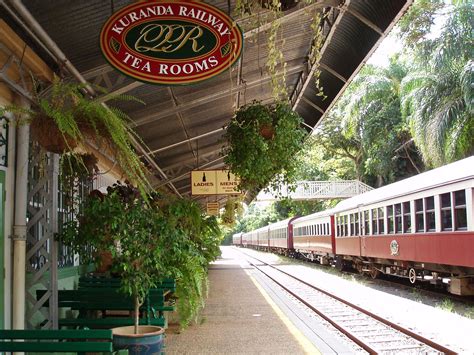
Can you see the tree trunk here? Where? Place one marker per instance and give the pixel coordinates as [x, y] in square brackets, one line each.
[137, 313]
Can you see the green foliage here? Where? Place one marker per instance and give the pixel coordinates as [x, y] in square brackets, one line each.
[149, 239]
[366, 127]
[438, 94]
[417, 22]
[80, 118]
[232, 210]
[258, 160]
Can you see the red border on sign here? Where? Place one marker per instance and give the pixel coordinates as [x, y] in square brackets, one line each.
[116, 60]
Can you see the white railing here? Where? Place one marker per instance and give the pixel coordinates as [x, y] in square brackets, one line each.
[316, 190]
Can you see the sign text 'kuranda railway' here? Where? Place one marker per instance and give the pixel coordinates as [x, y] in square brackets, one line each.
[171, 42]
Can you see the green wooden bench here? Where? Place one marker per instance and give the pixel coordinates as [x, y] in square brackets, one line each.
[108, 299]
[167, 285]
[49, 341]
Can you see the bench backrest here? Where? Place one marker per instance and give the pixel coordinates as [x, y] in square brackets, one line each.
[37, 340]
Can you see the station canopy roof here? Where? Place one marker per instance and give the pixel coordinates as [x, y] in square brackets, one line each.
[182, 126]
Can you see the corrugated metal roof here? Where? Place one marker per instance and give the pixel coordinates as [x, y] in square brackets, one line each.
[171, 116]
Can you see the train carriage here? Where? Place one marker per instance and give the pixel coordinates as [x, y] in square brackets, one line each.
[237, 239]
[281, 236]
[421, 226]
[313, 236]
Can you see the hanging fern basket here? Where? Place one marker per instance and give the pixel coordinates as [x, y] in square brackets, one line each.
[45, 131]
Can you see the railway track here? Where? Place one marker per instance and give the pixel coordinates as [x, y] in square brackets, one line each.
[372, 333]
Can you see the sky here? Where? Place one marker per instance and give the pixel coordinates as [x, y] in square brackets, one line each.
[392, 44]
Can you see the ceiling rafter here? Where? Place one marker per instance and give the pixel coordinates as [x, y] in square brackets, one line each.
[153, 117]
[290, 15]
[307, 75]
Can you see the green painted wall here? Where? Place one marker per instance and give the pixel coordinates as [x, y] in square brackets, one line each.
[2, 246]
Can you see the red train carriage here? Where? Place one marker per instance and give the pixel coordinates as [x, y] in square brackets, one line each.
[281, 236]
[420, 228]
[237, 239]
[313, 237]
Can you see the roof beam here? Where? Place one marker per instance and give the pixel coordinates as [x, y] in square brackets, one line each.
[185, 141]
[290, 15]
[153, 117]
[307, 76]
[209, 153]
[333, 72]
[313, 105]
[103, 69]
[362, 19]
[369, 54]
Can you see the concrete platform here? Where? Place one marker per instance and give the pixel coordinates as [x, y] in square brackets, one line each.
[239, 318]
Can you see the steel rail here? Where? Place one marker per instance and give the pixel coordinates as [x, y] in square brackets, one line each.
[395, 326]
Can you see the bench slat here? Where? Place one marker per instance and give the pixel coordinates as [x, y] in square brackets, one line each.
[109, 321]
[49, 347]
[56, 334]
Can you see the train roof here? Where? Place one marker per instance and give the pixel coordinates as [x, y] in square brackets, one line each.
[458, 171]
[313, 216]
[279, 224]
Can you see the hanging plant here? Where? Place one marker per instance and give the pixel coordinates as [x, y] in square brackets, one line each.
[66, 117]
[257, 160]
[233, 209]
[316, 46]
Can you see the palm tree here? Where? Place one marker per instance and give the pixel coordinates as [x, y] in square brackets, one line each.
[438, 94]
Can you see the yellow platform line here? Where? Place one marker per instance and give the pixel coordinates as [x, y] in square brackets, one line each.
[307, 346]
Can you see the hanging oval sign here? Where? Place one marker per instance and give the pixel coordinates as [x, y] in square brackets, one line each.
[171, 42]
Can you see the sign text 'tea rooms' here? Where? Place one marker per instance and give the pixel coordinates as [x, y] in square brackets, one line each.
[171, 42]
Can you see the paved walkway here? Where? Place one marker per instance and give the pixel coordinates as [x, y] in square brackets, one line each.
[238, 318]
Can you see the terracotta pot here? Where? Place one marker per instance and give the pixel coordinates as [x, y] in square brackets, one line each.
[149, 339]
[105, 261]
[45, 131]
[267, 131]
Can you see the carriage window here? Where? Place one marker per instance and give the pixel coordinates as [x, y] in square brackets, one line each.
[430, 214]
[380, 220]
[366, 223]
[460, 216]
[356, 222]
[446, 216]
[346, 223]
[420, 226]
[406, 217]
[389, 219]
[352, 222]
[374, 222]
[398, 218]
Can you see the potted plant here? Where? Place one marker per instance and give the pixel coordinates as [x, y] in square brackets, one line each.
[152, 238]
[129, 228]
[64, 117]
[256, 159]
